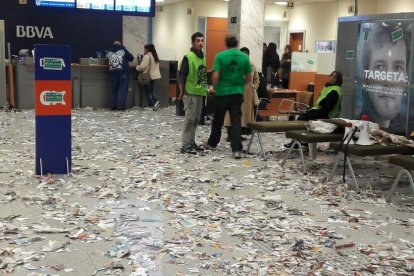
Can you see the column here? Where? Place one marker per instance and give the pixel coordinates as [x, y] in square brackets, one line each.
[248, 21]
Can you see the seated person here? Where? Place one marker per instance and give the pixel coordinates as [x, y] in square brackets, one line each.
[328, 104]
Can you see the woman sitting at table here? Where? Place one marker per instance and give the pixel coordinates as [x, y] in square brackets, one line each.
[328, 104]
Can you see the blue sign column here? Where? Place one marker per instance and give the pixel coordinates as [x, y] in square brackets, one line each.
[53, 104]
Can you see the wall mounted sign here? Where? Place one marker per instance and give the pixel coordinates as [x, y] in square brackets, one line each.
[350, 54]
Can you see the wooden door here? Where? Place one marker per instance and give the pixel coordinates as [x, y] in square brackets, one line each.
[296, 41]
[214, 39]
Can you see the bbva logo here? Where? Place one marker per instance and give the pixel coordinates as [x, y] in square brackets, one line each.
[33, 31]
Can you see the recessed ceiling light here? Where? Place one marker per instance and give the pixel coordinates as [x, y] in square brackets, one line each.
[159, 1]
[281, 3]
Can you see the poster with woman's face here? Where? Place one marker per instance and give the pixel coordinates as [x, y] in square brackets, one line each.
[383, 66]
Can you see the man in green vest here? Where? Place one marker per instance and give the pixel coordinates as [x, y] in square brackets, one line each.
[232, 70]
[192, 82]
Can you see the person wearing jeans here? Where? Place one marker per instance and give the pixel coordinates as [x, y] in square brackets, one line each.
[118, 58]
[119, 90]
[149, 92]
[150, 64]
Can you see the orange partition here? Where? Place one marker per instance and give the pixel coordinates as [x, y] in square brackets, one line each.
[320, 81]
[300, 80]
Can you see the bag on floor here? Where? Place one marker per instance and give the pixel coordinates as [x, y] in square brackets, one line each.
[179, 107]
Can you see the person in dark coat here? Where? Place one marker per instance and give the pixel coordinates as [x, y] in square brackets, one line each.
[118, 58]
[271, 63]
[285, 66]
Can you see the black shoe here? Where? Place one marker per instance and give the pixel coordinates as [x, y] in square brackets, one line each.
[188, 150]
[121, 108]
[114, 108]
[196, 147]
[246, 131]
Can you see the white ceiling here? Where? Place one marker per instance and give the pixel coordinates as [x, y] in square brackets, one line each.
[269, 2]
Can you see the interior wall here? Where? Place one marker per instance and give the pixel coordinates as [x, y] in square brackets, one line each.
[272, 34]
[172, 30]
[368, 7]
[173, 27]
[135, 34]
[210, 8]
[319, 20]
[395, 6]
[274, 12]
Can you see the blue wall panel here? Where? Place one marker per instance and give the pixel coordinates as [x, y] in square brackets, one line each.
[84, 31]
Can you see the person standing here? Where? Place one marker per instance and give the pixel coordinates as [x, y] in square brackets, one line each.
[150, 65]
[192, 82]
[271, 63]
[250, 100]
[231, 72]
[286, 65]
[118, 58]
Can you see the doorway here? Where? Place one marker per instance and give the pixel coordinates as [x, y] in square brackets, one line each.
[216, 31]
[296, 40]
[276, 31]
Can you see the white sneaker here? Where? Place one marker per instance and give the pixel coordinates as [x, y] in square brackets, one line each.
[156, 106]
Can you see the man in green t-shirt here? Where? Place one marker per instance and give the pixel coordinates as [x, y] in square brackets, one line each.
[232, 70]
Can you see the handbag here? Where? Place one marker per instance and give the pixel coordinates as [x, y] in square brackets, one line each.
[145, 78]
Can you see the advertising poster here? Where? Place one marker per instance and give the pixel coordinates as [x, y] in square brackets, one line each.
[383, 74]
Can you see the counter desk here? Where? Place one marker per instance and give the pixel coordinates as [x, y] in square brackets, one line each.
[91, 86]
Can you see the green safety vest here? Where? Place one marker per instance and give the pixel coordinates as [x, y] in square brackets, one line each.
[196, 83]
[337, 108]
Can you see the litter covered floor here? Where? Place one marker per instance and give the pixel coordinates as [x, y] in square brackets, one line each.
[134, 205]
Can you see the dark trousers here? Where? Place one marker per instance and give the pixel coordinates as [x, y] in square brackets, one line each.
[119, 89]
[313, 114]
[149, 91]
[285, 83]
[231, 103]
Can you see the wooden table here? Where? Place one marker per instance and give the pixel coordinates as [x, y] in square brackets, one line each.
[276, 96]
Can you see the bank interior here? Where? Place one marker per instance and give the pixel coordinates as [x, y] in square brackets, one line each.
[129, 203]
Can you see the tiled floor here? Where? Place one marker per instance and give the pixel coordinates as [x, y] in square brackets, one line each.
[133, 205]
